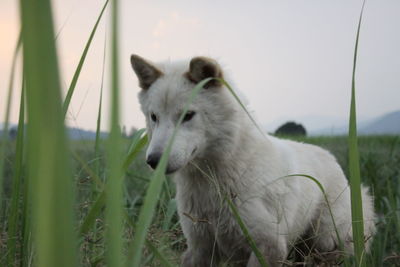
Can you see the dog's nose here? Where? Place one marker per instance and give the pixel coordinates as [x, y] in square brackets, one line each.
[153, 160]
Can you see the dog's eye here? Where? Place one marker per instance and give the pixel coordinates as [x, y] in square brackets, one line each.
[188, 116]
[153, 117]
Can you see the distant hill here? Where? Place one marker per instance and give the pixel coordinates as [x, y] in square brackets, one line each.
[386, 124]
[73, 133]
[80, 134]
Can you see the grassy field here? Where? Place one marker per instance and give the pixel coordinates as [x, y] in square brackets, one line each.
[95, 203]
[380, 169]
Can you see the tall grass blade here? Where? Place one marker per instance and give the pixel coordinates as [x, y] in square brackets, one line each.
[164, 262]
[98, 133]
[48, 160]
[4, 138]
[93, 213]
[321, 188]
[153, 191]
[171, 210]
[242, 105]
[354, 167]
[151, 247]
[137, 145]
[26, 213]
[81, 62]
[90, 172]
[114, 211]
[98, 126]
[138, 142]
[13, 217]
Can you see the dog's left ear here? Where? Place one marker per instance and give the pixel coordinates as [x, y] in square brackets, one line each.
[145, 71]
[201, 68]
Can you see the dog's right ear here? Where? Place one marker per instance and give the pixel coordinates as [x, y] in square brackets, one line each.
[145, 71]
[201, 68]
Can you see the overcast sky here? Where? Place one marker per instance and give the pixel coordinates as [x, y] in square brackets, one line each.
[292, 59]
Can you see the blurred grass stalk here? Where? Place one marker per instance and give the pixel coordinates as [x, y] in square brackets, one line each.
[114, 193]
[48, 161]
[354, 167]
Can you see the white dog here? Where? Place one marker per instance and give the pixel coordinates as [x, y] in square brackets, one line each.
[218, 153]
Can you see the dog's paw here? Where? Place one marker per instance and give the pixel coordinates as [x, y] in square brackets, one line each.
[186, 260]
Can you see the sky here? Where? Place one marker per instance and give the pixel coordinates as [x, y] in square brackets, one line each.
[292, 59]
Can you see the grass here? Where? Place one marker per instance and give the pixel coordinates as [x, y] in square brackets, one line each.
[77, 73]
[354, 167]
[51, 193]
[113, 212]
[379, 168]
[95, 203]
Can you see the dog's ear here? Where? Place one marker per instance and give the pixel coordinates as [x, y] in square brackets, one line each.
[201, 68]
[145, 71]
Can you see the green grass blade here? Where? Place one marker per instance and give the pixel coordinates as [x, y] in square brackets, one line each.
[171, 210]
[93, 213]
[81, 62]
[136, 146]
[163, 261]
[91, 173]
[242, 105]
[152, 248]
[114, 211]
[354, 167]
[16, 187]
[98, 131]
[99, 200]
[26, 214]
[48, 160]
[136, 137]
[4, 138]
[321, 188]
[97, 157]
[153, 191]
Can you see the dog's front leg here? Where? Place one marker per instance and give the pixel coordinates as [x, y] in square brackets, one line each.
[201, 251]
[198, 258]
[273, 252]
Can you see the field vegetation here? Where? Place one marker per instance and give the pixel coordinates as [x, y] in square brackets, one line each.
[380, 169]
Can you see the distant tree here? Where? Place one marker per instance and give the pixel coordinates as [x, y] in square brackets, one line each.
[123, 132]
[132, 131]
[291, 128]
[13, 133]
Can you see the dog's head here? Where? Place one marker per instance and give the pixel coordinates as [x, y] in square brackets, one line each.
[165, 92]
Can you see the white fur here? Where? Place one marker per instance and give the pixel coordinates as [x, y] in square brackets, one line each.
[220, 153]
